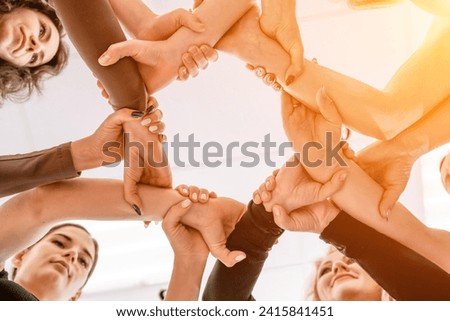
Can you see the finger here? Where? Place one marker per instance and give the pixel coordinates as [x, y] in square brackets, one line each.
[162, 138]
[250, 67]
[222, 253]
[388, 200]
[332, 186]
[183, 190]
[189, 20]
[265, 196]
[203, 196]
[212, 195]
[287, 108]
[140, 50]
[183, 73]
[152, 118]
[131, 194]
[275, 172]
[256, 197]
[296, 67]
[152, 102]
[189, 63]
[282, 219]
[269, 79]
[147, 224]
[270, 183]
[348, 151]
[174, 215]
[197, 3]
[210, 53]
[328, 108]
[199, 58]
[157, 128]
[194, 193]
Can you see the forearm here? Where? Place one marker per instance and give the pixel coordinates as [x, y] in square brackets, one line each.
[360, 198]
[186, 279]
[435, 7]
[218, 16]
[26, 217]
[22, 172]
[403, 273]
[133, 14]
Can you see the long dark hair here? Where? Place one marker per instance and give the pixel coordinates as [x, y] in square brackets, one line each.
[18, 83]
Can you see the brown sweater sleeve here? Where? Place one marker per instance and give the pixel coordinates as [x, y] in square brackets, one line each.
[92, 27]
[22, 172]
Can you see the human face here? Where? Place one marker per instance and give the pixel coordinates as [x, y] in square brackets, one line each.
[340, 279]
[445, 173]
[27, 38]
[57, 267]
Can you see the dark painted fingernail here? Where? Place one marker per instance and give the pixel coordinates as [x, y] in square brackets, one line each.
[150, 109]
[137, 114]
[136, 209]
[289, 80]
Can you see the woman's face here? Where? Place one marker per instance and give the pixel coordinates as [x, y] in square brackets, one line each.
[445, 173]
[340, 279]
[57, 267]
[27, 38]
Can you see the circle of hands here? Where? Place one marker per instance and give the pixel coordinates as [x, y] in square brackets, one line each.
[202, 222]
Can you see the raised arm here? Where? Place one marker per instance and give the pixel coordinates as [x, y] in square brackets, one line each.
[161, 60]
[381, 114]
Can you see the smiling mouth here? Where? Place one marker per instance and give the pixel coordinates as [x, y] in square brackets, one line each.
[338, 277]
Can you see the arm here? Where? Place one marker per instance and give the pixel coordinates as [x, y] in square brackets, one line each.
[96, 19]
[360, 195]
[403, 273]
[381, 114]
[161, 60]
[435, 7]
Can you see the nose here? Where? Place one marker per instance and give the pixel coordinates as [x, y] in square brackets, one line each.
[71, 254]
[33, 44]
[339, 266]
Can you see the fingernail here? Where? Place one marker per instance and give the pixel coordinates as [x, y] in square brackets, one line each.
[239, 258]
[147, 224]
[267, 183]
[153, 128]
[203, 196]
[289, 80]
[104, 59]
[137, 114]
[150, 109]
[194, 196]
[136, 209]
[146, 121]
[185, 191]
[343, 176]
[186, 203]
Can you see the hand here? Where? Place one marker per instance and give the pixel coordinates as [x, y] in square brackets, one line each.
[312, 218]
[195, 194]
[163, 26]
[278, 21]
[185, 241]
[294, 188]
[105, 145]
[195, 59]
[390, 166]
[317, 137]
[145, 160]
[215, 220]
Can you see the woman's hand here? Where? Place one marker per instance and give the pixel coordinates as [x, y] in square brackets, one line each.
[197, 58]
[278, 21]
[195, 194]
[389, 164]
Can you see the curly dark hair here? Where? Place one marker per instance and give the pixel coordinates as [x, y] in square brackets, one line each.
[18, 83]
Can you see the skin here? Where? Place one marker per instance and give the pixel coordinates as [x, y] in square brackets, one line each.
[57, 267]
[445, 173]
[340, 279]
[27, 38]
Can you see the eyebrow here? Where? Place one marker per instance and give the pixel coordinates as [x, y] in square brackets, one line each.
[48, 35]
[71, 240]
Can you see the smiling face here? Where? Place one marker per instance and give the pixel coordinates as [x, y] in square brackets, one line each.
[340, 279]
[27, 38]
[57, 267]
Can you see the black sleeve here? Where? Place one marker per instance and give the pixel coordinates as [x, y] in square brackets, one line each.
[255, 234]
[22, 172]
[403, 273]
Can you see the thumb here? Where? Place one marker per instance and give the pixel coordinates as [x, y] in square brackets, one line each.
[295, 69]
[282, 219]
[140, 50]
[131, 194]
[175, 213]
[388, 200]
[333, 185]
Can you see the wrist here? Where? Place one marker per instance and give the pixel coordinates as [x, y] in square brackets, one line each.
[82, 155]
[412, 146]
